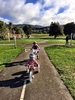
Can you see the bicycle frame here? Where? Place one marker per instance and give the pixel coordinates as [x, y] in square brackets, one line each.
[35, 51]
[30, 70]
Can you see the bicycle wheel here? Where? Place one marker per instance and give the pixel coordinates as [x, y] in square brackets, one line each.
[30, 76]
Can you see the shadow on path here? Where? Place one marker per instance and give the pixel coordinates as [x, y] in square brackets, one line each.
[18, 77]
[14, 63]
[16, 81]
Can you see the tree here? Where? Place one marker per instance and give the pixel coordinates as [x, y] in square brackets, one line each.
[55, 30]
[68, 29]
[10, 26]
[18, 30]
[3, 30]
[27, 29]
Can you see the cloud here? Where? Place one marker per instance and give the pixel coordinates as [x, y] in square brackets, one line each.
[5, 20]
[42, 12]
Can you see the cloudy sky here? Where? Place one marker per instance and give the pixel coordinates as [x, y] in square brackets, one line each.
[37, 12]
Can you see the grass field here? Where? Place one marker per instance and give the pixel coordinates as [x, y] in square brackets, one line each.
[7, 53]
[51, 40]
[20, 41]
[64, 60]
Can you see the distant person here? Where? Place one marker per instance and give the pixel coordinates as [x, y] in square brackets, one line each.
[67, 38]
[35, 49]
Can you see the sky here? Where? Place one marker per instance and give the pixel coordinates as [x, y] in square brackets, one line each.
[37, 12]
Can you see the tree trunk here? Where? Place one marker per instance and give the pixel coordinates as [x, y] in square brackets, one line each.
[54, 36]
[67, 40]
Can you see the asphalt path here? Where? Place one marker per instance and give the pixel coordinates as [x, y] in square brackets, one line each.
[46, 85]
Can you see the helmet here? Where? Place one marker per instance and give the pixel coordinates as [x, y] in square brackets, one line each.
[31, 55]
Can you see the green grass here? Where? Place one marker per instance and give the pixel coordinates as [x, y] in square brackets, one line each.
[46, 36]
[7, 53]
[25, 40]
[64, 60]
[41, 36]
[51, 40]
[6, 42]
[59, 41]
[20, 41]
[56, 41]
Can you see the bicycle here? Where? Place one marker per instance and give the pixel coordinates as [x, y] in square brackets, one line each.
[30, 70]
[35, 52]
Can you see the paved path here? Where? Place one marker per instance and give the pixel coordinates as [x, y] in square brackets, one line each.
[46, 84]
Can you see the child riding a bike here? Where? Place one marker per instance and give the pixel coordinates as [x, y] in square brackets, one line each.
[35, 48]
[32, 63]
